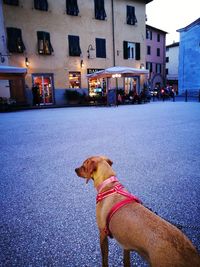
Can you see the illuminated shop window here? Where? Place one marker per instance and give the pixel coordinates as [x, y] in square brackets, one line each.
[74, 79]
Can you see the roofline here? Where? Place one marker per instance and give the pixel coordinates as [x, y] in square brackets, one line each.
[197, 21]
[154, 28]
[173, 45]
[146, 1]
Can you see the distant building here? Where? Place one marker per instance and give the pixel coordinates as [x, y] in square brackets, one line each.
[189, 57]
[155, 56]
[172, 62]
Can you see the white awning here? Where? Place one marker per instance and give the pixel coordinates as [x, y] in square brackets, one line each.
[10, 69]
[125, 71]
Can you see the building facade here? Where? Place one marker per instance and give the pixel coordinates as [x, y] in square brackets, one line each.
[60, 42]
[172, 64]
[155, 56]
[189, 57]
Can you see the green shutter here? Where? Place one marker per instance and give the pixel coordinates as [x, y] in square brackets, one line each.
[137, 48]
[125, 46]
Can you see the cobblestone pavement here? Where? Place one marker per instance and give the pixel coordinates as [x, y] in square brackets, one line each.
[47, 215]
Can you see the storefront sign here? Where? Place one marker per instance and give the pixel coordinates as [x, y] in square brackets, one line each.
[89, 71]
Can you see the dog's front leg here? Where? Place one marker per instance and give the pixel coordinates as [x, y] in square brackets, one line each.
[104, 248]
[126, 258]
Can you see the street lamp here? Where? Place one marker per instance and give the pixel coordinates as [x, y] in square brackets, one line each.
[90, 51]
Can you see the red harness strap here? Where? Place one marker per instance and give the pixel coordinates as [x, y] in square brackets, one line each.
[118, 188]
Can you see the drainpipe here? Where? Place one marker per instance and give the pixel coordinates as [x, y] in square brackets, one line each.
[113, 31]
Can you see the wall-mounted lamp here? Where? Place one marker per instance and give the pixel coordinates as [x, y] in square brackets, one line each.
[90, 51]
[141, 66]
[27, 62]
[82, 63]
[116, 75]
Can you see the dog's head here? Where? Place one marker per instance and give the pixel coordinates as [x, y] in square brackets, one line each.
[90, 166]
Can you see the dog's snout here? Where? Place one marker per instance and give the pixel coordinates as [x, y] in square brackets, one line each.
[76, 170]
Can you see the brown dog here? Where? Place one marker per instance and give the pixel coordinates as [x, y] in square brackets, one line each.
[135, 227]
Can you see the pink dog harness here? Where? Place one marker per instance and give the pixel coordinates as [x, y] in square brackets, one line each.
[118, 188]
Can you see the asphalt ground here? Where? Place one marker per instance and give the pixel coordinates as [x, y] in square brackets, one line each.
[47, 214]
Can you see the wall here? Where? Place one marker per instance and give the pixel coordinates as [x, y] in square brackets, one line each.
[189, 58]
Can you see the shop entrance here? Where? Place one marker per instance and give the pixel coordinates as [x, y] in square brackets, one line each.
[46, 88]
[131, 85]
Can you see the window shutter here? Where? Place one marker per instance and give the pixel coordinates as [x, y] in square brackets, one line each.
[125, 47]
[74, 47]
[72, 7]
[130, 15]
[100, 48]
[11, 2]
[99, 9]
[44, 43]
[14, 40]
[137, 48]
[41, 5]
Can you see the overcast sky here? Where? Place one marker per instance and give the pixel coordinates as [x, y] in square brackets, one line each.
[171, 15]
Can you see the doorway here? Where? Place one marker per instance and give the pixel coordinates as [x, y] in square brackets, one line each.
[46, 87]
[131, 85]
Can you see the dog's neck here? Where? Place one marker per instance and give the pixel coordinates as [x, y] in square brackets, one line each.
[103, 172]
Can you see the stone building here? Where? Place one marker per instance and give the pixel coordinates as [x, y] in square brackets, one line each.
[172, 64]
[189, 57]
[155, 56]
[61, 41]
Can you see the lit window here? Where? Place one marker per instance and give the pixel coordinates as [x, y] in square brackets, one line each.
[74, 79]
[44, 44]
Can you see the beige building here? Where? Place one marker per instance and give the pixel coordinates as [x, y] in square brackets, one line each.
[60, 42]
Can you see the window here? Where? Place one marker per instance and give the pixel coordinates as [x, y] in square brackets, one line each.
[74, 79]
[166, 71]
[158, 37]
[149, 34]
[100, 48]
[130, 15]
[14, 40]
[72, 7]
[99, 9]
[44, 44]
[11, 2]
[158, 68]
[158, 52]
[131, 50]
[148, 50]
[167, 59]
[41, 5]
[149, 66]
[74, 46]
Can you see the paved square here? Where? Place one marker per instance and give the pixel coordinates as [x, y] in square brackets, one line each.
[47, 215]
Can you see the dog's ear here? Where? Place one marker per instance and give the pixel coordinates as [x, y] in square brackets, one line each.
[109, 161]
[91, 167]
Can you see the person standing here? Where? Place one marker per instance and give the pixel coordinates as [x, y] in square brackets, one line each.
[36, 94]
